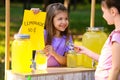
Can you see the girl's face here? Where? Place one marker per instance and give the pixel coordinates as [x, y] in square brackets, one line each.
[107, 15]
[60, 21]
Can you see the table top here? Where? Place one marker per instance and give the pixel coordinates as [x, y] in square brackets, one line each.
[57, 70]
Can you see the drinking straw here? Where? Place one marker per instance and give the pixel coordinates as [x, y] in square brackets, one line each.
[92, 13]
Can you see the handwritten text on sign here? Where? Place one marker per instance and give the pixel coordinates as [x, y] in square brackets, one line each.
[33, 24]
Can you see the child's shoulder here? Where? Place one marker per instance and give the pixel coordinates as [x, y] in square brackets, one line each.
[115, 32]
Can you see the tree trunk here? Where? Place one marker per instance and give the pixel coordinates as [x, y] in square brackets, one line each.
[46, 2]
[27, 4]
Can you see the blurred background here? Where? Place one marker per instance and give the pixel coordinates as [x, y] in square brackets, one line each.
[79, 12]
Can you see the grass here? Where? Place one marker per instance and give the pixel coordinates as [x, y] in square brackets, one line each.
[79, 20]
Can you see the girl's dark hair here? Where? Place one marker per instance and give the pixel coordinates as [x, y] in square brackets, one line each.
[52, 10]
[112, 3]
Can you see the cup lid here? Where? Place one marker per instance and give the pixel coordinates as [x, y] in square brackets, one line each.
[95, 28]
[21, 36]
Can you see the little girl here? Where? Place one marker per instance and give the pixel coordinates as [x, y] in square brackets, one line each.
[56, 33]
[109, 61]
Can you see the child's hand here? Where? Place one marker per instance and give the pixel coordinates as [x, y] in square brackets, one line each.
[49, 50]
[77, 49]
[81, 49]
[35, 10]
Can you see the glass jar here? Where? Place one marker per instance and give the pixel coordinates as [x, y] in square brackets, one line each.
[21, 53]
[41, 60]
[93, 39]
[71, 59]
[79, 60]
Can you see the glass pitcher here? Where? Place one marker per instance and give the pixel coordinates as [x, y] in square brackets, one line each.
[93, 39]
[21, 53]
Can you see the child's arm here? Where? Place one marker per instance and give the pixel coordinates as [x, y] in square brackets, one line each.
[61, 59]
[115, 70]
[83, 50]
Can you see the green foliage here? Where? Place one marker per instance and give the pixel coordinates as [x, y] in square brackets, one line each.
[2, 71]
[80, 19]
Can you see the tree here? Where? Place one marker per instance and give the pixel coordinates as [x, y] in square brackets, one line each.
[27, 4]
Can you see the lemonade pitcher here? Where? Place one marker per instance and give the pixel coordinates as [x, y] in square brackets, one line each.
[79, 60]
[21, 53]
[71, 59]
[71, 56]
[93, 39]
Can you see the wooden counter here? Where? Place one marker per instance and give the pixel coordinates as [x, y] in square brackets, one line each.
[55, 73]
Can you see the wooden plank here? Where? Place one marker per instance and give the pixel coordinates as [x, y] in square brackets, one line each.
[55, 74]
[7, 36]
[11, 76]
[92, 19]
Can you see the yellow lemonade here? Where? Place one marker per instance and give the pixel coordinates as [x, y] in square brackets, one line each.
[21, 54]
[79, 58]
[41, 61]
[71, 60]
[93, 39]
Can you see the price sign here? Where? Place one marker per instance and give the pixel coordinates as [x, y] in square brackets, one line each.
[33, 24]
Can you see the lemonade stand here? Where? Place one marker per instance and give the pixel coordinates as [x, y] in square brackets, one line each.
[51, 73]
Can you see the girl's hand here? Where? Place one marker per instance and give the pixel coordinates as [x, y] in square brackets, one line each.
[76, 49]
[81, 49]
[35, 10]
[49, 50]
[86, 51]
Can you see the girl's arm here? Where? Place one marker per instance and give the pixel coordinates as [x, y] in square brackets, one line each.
[83, 50]
[115, 70]
[61, 59]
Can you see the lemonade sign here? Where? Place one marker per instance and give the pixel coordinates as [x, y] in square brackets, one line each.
[33, 24]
